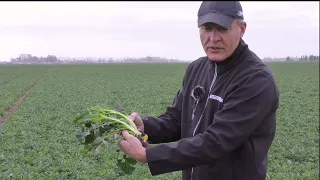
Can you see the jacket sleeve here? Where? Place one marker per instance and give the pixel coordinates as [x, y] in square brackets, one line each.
[166, 127]
[243, 110]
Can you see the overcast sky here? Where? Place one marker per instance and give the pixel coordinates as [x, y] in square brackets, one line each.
[139, 29]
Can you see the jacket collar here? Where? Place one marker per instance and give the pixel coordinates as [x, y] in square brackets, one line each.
[231, 61]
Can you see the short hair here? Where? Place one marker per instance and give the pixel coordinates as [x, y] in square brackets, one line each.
[240, 21]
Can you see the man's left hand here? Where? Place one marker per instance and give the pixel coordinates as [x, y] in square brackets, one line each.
[132, 147]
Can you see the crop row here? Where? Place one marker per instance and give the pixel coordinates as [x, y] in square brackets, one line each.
[15, 81]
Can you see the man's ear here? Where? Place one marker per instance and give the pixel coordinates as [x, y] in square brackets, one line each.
[243, 28]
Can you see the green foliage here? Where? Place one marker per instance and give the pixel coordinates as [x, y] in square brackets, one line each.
[15, 80]
[97, 127]
[38, 141]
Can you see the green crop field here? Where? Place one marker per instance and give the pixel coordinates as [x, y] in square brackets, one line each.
[38, 140]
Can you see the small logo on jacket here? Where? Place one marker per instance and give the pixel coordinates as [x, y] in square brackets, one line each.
[218, 98]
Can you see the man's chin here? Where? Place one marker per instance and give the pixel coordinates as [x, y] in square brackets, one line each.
[216, 57]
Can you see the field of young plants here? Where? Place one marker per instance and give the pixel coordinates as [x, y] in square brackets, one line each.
[37, 141]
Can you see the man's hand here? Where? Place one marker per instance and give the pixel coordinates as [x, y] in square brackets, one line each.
[139, 123]
[132, 147]
[137, 120]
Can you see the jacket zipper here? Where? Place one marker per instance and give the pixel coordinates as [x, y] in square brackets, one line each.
[212, 83]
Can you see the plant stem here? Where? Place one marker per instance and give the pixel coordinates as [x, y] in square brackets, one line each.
[123, 116]
[128, 127]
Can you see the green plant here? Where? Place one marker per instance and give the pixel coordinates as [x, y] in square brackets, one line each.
[99, 125]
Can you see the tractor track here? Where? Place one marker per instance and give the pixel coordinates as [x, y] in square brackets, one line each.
[16, 105]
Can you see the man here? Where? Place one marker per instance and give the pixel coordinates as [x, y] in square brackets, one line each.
[223, 119]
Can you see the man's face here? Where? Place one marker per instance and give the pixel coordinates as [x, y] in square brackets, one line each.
[218, 42]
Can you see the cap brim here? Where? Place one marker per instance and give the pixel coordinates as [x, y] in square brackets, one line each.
[220, 19]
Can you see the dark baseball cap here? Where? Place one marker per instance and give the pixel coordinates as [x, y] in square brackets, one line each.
[222, 13]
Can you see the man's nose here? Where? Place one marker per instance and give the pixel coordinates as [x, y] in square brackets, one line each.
[215, 35]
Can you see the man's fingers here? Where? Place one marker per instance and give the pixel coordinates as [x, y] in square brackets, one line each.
[123, 144]
[126, 135]
[133, 116]
[140, 128]
[145, 143]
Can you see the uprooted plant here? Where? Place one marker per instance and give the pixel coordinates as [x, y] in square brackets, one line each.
[97, 127]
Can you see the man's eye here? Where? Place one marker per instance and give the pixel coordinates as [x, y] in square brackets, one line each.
[221, 29]
[217, 28]
[208, 28]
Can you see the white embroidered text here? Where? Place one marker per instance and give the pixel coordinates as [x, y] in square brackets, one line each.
[218, 98]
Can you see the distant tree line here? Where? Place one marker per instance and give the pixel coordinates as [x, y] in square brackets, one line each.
[28, 58]
[308, 58]
[52, 59]
[303, 58]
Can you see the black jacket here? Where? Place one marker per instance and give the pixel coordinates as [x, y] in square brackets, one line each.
[233, 125]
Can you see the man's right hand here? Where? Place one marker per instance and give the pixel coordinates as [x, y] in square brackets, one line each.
[137, 120]
[139, 123]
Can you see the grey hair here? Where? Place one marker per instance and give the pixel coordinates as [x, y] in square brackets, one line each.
[240, 21]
